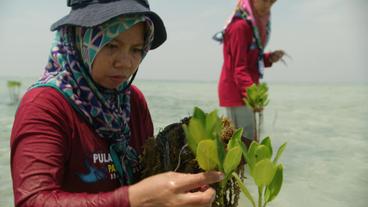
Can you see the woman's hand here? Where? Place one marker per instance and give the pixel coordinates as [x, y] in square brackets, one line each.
[174, 190]
[276, 56]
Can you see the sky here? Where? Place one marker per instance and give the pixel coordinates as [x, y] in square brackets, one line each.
[327, 39]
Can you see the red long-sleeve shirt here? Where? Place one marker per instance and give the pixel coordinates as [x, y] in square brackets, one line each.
[240, 66]
[58, 160]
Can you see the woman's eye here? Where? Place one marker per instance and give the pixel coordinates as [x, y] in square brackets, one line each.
[111, 45]
[138, 50]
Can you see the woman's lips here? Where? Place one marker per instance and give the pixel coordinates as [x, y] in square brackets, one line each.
[117, 79]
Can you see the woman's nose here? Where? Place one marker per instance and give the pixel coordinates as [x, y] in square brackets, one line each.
[123, 60]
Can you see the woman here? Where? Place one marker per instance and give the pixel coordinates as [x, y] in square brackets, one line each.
[79, 130]
[244, 40]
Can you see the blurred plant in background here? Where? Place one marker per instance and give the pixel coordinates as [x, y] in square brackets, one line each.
[14, 91]
[257, 100]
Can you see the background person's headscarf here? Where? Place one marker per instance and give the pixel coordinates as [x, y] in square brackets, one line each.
[261, 26]
[106, 110]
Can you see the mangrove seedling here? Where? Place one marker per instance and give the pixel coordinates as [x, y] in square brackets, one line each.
[13, 87]
[257, 100]
[203, 135]
[266, 173]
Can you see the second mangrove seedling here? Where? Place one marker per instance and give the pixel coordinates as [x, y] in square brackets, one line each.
[257, 100]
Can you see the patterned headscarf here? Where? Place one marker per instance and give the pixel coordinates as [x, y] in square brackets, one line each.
[106, 110]
[261, 27]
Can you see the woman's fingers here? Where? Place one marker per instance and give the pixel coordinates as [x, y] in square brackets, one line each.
[174, 189]
[282, 53]
[277, 55]
[199, 198]
[204, 188]
[189, 182]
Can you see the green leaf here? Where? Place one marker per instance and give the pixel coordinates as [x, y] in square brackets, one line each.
[244, 189]
[192, 143]
[207, 155]
[263, 88]
[196, 130]
[279, 153]
[232, 160]
[199, 114]
[262, 152]
[213, 124]
[13, 83]
[267, 142]
[251, 96]
[263, 172]
[235, 139]
[220, 152]
[250, 157]
[274, 188]
[257, 96]
[244, 149]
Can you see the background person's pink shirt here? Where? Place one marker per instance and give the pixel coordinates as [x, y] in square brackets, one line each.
[240, 66]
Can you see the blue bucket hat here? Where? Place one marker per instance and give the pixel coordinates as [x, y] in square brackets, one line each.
[89, 13]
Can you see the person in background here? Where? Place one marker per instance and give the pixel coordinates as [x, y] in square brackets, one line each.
[80, 128]
[244, 39]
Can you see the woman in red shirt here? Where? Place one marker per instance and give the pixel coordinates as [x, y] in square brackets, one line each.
[244, 40]
[79, 130]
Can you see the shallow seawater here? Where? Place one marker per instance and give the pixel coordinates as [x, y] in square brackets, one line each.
[325, 126]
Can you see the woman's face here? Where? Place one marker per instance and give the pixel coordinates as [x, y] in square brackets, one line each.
[263, 7]
[120, 58]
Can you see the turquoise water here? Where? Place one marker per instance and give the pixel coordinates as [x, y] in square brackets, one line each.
[326, 127]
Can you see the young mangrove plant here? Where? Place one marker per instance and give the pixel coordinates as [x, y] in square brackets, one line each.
[257, 100]
[169, 151]
[203, 136]
[266, 173]
[205, 142]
